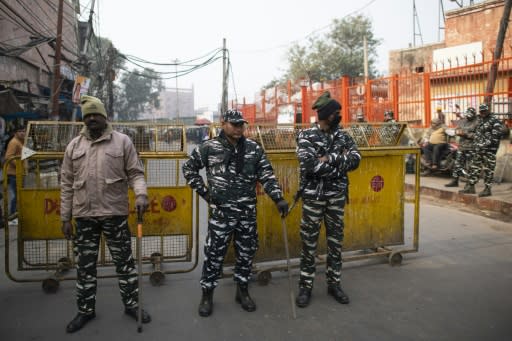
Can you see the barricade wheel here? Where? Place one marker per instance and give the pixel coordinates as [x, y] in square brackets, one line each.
[264, 277]
[395, 258]
[157, 278]
[50, 285]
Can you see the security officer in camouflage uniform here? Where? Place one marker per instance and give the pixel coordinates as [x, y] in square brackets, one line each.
[466, 133]
[233, 166]
[325, 154]
[97, 169]
[487, 141]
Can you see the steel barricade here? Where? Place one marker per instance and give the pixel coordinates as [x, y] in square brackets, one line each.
[374, 215]
[170, 224]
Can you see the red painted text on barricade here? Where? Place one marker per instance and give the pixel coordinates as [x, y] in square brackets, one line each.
[168, 204]
[51, 206]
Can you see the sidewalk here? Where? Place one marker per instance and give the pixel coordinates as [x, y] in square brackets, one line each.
[433, 186]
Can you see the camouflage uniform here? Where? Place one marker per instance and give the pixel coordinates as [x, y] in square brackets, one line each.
[232, 173]
[466, 147]
[487, 141]
[115, 230]
[325, 191]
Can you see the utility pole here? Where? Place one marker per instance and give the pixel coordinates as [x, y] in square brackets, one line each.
[415, 20]
[224, 103]
[56, 66]
[110, 80]
[365, 58]
[177, 94]
[491, 80]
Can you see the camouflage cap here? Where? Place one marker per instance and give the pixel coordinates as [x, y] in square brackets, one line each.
[233, 116]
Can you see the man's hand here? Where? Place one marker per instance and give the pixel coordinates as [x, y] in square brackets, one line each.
[282, 207]
[141, 203]
[324, 158]
[67, 230]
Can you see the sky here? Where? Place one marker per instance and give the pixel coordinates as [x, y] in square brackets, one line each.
[257, 33]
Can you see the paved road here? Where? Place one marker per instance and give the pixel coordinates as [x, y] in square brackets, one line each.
[456, 288]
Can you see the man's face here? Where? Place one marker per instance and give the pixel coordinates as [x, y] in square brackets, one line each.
[21, 134]
[233, 130]
[484, 113]
[95, 122]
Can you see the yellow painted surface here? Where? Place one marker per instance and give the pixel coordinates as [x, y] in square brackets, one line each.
[374, 215]
[170, 212]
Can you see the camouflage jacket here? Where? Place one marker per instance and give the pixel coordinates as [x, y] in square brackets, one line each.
[321, 180]
[231, 172]
[467, 127]
[488, 133]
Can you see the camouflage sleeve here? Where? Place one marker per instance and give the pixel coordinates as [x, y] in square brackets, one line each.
[351, 156]
[309, 162]
[496, 132]
[267, 178]
[191, 170]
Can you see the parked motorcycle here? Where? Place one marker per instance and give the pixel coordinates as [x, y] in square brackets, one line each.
[446, 164]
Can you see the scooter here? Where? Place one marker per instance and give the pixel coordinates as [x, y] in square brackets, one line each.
[446, 164]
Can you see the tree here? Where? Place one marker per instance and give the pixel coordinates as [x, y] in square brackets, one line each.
[138, 92]
[340, 52]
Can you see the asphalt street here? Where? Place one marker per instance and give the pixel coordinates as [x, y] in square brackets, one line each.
[457, 287]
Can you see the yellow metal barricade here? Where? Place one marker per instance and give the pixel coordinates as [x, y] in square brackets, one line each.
[374, 214]
[170, 239]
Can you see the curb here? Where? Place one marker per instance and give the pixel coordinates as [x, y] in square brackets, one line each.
[471, 200]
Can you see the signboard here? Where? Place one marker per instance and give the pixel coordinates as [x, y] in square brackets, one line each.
[80, 88]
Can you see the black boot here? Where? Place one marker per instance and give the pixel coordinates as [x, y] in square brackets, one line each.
[453, 183]
[486, 192]
[338, 294]
[468, 189]
[79, 321]
[303, 297]
[206, 304]
[242, 297]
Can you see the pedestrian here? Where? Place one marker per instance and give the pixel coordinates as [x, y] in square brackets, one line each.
[233, 165]
[14, 148]
[464, 155]
[97, 169]
[487, 141]
[326, 154]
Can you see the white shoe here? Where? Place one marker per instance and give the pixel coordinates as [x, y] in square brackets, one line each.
[13, 222]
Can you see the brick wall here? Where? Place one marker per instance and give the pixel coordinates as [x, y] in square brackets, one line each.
[479, 22]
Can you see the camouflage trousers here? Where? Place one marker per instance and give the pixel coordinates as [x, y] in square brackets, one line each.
[483, 160]
[331, 211]
[462, 159]
[118, 238]
[223, 225]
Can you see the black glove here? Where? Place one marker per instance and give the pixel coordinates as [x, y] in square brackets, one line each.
[282, 207]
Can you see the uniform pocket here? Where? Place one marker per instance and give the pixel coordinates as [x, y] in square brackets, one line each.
[78, 158]
[79, 194]
[114, 164]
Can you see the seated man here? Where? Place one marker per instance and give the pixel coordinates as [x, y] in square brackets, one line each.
[436, 143]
